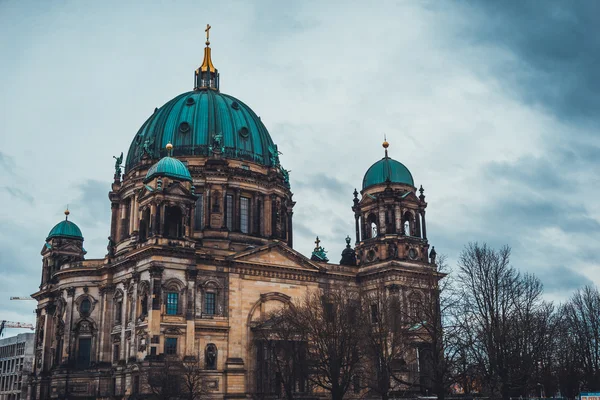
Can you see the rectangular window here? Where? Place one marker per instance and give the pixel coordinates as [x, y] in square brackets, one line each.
[116, 353]
[229, 211]
[171, 346]
[209, 303]
[172, 303]
[84, 352]
[374, 313]
[199, 213]
[118, 312]
[244, 208]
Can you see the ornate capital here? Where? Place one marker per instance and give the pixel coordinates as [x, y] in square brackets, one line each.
[191, 274]
[156, 271]
[70, 291]
[109, 288]
[136, 276]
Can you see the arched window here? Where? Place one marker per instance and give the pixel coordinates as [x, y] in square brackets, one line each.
[372, 225]
[85, 307]
[173, 222]
[173, 297]
[210, 356]
[408, 224]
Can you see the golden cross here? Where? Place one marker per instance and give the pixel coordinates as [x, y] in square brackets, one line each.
[207, 30]
[317, 242]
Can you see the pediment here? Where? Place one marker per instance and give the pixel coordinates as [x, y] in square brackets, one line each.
[410, 196]
[276, 254]
[176, 189]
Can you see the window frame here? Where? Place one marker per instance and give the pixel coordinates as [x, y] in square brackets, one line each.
[213, 295]
[169, 310]
[171, 346]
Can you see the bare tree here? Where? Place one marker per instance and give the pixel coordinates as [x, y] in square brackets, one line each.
[192, 379]
[163, 379]
[505, 321]
[582, 322]
[328, 323]
[385, 343]
[283, 350]
[176, 379]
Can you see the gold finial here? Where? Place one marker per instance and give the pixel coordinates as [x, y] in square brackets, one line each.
[169, 148]
[67, 212]
[207, 30]
[385, 145]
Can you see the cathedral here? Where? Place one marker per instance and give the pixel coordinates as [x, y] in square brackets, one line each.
[201, 250]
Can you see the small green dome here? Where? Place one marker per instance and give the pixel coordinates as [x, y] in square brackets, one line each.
[387, 168]
[65, 229]
[190, 121]
[171, 167]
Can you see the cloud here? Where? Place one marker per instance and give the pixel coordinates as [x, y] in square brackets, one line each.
[556, 44]
[6, 162]
[19, 194]
[562, 281]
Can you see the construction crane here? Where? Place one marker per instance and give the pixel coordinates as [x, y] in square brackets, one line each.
[10, 324]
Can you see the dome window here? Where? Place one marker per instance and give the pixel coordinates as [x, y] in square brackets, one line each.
[235, 105]
[243, 131]
[190, 101]
[184, 127]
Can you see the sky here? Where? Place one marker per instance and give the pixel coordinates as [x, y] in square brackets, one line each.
[493, 106]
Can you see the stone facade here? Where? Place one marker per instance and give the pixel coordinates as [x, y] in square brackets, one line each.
[193, 264]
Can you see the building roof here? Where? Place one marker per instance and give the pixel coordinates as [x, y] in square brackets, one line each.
[196, 122]
[170, 167]
[65, 229]
[387, 169]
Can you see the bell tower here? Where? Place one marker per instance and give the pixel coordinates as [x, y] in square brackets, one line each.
[389, 216]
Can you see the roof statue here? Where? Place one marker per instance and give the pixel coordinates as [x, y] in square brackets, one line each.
[348, 254]
[118, 163]
[319, 253]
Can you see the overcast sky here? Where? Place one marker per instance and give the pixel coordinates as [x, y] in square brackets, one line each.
[493, 106]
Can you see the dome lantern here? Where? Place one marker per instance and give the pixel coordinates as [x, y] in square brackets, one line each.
[206, 76]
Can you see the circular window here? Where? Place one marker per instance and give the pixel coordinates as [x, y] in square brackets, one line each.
[371, 255]
[190, 101]
[243, 132]
[235, 105]
[184, 127]
[412, 254]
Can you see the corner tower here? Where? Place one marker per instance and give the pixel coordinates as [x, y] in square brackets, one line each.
[389, 216]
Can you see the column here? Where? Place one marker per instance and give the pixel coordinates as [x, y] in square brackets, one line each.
[114, 208]
[161, 229]
[122, 354]
[236, 210]
[398, 216]
[424, 225]
[132, 348]
[153, 223]
[418, 223]
[381, 228]
[290, 229]
[190, 315]
[356, 218]
[68, 345]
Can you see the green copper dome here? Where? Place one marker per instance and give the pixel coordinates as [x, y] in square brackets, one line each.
[385, 169]
[171, 167]
[65, 229]
[199, 121]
